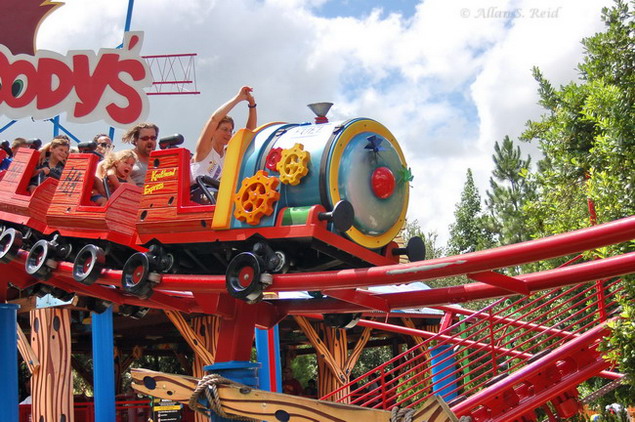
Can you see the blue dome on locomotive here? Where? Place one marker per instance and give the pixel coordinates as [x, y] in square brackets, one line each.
[356, 160]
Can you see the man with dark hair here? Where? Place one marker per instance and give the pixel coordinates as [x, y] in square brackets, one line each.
[144, 138]
[104, 143]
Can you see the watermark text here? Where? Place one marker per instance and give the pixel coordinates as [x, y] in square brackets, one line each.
[517, 13]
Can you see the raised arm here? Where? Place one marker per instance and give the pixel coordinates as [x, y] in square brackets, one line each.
[252, 119]
[204, 143]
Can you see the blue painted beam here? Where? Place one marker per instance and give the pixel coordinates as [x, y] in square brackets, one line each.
[7, 126]
[103, 366]
[268, 354]
[9, 362]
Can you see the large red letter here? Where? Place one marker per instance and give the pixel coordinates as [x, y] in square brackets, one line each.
[130, 113]
[48, 96]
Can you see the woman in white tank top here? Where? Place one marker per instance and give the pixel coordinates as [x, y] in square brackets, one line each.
[210, 148]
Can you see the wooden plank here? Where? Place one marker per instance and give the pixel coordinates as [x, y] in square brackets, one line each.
[52, 384]
[193, 339]
[27, 304]
[273, 407]
[161, 385]
[319, 345]
[357, 350]
[208, 328]
[27, 353]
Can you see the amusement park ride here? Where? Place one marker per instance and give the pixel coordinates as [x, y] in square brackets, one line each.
[314, 207]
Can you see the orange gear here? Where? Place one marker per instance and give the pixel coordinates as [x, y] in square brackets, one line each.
[256, 197]
[293, 164]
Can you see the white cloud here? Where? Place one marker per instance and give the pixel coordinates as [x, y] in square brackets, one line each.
[448, 81]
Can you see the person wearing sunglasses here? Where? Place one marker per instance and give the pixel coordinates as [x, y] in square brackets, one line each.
[143, 136]
[104, 144]
[210, 148]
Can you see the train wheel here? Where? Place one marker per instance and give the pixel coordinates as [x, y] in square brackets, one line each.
[10, 244]
[61, 294]
[97, 305]
[136, 276]
[132, 311]
[39, 262]
[39, 290]
[88, 264]
[243, 277]
[345, 321]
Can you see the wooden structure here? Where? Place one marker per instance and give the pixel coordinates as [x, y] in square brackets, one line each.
[245, 402]
[52, 383]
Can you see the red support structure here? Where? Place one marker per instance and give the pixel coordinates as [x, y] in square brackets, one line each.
[498, 354]
[587, 363]
[237, 333]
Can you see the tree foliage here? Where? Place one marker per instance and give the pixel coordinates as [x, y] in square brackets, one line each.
[468, 233]
[510, 188]
[587, 136]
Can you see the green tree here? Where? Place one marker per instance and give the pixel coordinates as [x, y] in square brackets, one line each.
[468, 233]
[587, 136]
[510, 189]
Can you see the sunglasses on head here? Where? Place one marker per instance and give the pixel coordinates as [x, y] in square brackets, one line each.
[148, 138]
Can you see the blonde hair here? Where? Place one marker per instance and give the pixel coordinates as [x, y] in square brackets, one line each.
[131, 136]
[58, 141]
[112, 159]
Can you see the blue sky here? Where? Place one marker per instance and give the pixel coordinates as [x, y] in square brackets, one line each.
[359, 8]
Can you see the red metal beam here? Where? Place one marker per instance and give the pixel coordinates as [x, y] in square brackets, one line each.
[584, 239]
[360, 297]
[589, 271]
[487, 260]
[535, 250]
[574, 346]
[503, 281]
[497, 319]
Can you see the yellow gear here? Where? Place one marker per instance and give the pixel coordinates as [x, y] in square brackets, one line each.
[293, 165]
[256, 197]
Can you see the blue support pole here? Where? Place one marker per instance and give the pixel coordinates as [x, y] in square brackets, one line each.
[56, 125]
[238, 371]
[9, 362]
[60, 127]
[103, 366]
[443, 372]
[7, 126]
[129, 15]
[268, 354]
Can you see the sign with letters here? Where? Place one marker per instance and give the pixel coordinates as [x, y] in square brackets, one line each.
[166, 410]
[88, 86]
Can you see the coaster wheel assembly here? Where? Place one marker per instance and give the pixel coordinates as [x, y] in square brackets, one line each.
[345, 321]
[138, 276]
[44, 256]
[10, 244]
[89, 262]
[244, 277]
